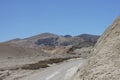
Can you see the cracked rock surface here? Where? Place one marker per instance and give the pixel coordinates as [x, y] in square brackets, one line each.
[104, 62]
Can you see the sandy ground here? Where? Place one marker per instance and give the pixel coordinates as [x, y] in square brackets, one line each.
[16, 62]
[61, 71]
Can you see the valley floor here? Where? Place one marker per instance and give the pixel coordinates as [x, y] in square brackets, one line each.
[60, 71]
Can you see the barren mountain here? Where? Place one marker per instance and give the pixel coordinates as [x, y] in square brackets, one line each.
[41, 36]
[39, 47]
[52, 40]
[43, 45]
[104, 62]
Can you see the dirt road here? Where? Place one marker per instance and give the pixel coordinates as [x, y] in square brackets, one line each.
[62, 71]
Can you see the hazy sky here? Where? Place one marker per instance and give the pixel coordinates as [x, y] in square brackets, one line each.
[23, 18]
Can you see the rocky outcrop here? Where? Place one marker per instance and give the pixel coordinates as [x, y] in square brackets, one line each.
[104, 62]
[68, 40]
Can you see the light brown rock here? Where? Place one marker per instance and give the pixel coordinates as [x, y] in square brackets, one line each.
[104, 62]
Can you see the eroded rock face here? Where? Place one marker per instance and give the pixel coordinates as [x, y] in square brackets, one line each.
[104, 62]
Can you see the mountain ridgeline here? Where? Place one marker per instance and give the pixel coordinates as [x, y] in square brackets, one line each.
[52, 40]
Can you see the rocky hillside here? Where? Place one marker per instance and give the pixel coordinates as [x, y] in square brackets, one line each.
[104, 62]
[9, 51]
[52, 40]
[45, 45]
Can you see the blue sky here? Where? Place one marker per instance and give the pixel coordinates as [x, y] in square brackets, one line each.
[24, 18]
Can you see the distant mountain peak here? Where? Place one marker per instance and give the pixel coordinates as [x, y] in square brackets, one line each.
[41, 36]
[47, 33]
[86, 35]
[67, 36]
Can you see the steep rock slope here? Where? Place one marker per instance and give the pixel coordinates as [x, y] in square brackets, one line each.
[104, 62]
